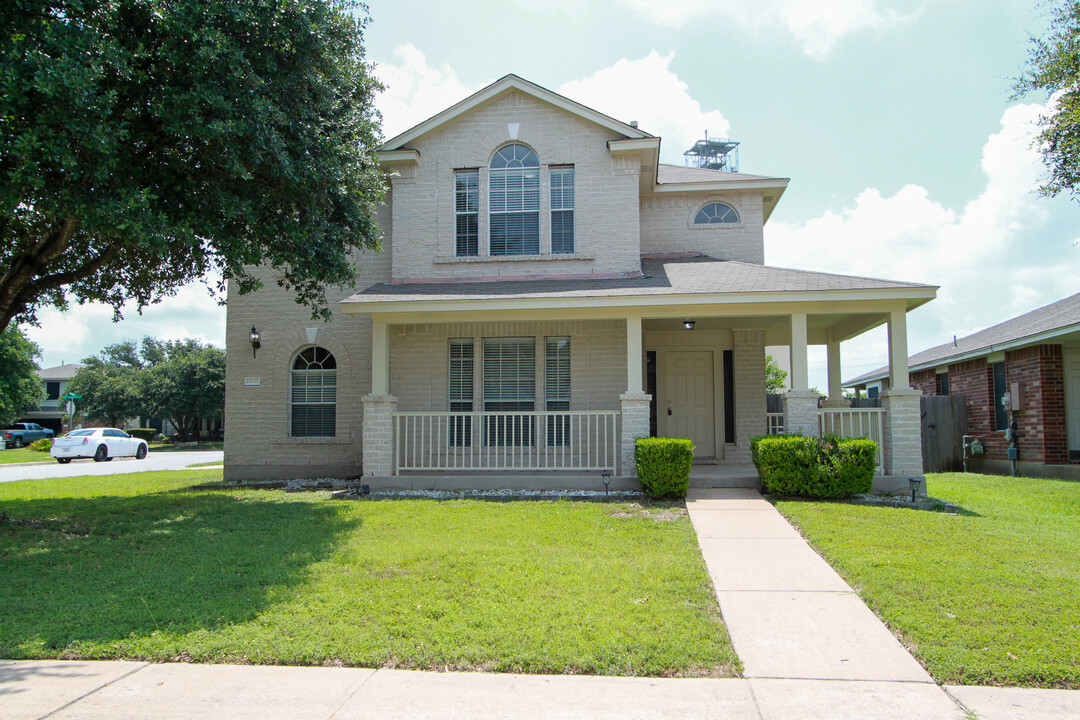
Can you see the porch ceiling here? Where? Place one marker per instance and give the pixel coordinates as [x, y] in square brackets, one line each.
[821, 328]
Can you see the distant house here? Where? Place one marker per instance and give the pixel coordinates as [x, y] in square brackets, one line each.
[1036, 359]
[50, 408]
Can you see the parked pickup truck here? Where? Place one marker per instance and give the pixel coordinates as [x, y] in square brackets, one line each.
[21, 434]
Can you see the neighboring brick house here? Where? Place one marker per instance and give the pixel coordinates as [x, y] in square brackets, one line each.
[546, 292]
[1036, 359]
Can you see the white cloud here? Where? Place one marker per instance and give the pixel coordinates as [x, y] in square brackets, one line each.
[648, 91]
[415, 90]
[817, 25]
[993, 258]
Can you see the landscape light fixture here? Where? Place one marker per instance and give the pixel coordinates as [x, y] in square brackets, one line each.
[914, 484]
[607, 479]
[688, 324]
[253, 338]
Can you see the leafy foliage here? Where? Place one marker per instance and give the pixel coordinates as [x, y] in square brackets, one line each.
[147, 143]
[663, 465]
[19, 384]
[42, 445]
[1053, 67]
[775, 378]
[180, 380]
[792, 465]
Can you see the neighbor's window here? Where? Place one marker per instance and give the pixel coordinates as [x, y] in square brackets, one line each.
[716, 214]
[314, 393]
[466, 212]
[557, 389]
[1001, 417]
[52, 391]
[514, 202]
[509, 389]
[461, 391]
[562, 210]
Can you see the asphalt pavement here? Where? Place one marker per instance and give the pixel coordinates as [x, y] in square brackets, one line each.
[177, 460]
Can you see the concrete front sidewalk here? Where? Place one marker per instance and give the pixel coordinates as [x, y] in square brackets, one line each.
[62, 690]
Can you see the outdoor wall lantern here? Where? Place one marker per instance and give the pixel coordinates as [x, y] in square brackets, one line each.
[914, 484]
[253, 338]
[688, 324]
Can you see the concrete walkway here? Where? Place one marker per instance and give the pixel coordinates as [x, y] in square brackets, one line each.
[811, 650]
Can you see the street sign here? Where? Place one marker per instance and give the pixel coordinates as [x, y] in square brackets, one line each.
[71, 408]
[72, 396]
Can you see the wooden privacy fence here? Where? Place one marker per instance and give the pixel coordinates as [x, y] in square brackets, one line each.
[944, 423]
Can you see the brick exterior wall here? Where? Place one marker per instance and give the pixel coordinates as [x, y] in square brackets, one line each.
[667, 225]
[1041, 426]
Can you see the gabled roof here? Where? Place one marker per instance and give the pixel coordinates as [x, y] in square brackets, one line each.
[1045, 323]
[60, 372]
[685, 275]
[680, 174]
[675, 178]
[501, 85]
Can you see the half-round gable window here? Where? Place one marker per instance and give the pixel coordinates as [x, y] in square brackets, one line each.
[514, 201]
[716, 214]
[313, 393]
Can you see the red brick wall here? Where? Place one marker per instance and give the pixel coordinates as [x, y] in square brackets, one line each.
[1041, 426]
[924, 381]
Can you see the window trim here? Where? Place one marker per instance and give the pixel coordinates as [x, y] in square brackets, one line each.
[699, 207]
[474, 246]
[555, 171]
[293, 371]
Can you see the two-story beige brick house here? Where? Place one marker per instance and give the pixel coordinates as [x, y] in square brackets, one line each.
[548, 291]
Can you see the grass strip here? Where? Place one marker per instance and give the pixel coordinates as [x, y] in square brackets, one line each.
[989, 596]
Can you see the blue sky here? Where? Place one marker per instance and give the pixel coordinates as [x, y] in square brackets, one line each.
[907, 157]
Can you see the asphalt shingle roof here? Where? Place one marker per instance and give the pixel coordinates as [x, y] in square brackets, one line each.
[688, 274]
[680, 174]
[1054, 316]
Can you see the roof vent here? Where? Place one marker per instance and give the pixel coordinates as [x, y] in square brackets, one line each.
[633, 123]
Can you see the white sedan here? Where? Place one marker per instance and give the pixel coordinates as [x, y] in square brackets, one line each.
[98, 443]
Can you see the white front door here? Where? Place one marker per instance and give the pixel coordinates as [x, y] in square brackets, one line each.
[1072, 401]
[689, 404]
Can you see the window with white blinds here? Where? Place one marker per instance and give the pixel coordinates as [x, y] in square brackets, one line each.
[467, 212]
[509, 386]
[461, 391]
[562, 210]
[557, 388]
[313, 393]
[514, 202]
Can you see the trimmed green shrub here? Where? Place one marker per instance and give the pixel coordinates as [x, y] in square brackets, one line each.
[147, 434]
[814, 467]
[663, 465]
[41, 445]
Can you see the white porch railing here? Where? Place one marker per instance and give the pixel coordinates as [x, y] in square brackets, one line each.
[855, 423]
[774, 423]
[536, 440]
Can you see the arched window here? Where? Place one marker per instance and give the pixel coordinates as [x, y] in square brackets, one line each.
[716, 214]
[514, 202]
[313, 392]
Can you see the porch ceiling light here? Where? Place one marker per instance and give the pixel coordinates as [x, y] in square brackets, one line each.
[253, 338]
[688, 324]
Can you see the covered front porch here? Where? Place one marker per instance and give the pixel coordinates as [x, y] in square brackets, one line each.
[550, 383]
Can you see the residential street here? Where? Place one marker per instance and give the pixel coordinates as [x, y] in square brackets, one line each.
[153, 461]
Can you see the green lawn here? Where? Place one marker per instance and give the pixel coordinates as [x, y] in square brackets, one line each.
[141, 566]
[23, 455]
[990, 596]
[172, 447]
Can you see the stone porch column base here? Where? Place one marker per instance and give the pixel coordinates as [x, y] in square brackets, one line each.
[801, 412]
[379, 434]
[902, 432]
[635, 424]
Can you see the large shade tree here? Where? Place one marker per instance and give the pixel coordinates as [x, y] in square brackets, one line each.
[20, 386]
[1053, 67]
[148, 143]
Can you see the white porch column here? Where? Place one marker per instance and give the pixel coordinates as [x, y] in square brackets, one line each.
[379, 408]
[836, 390]
[635, 401]
[800, 405]
[898, 364]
